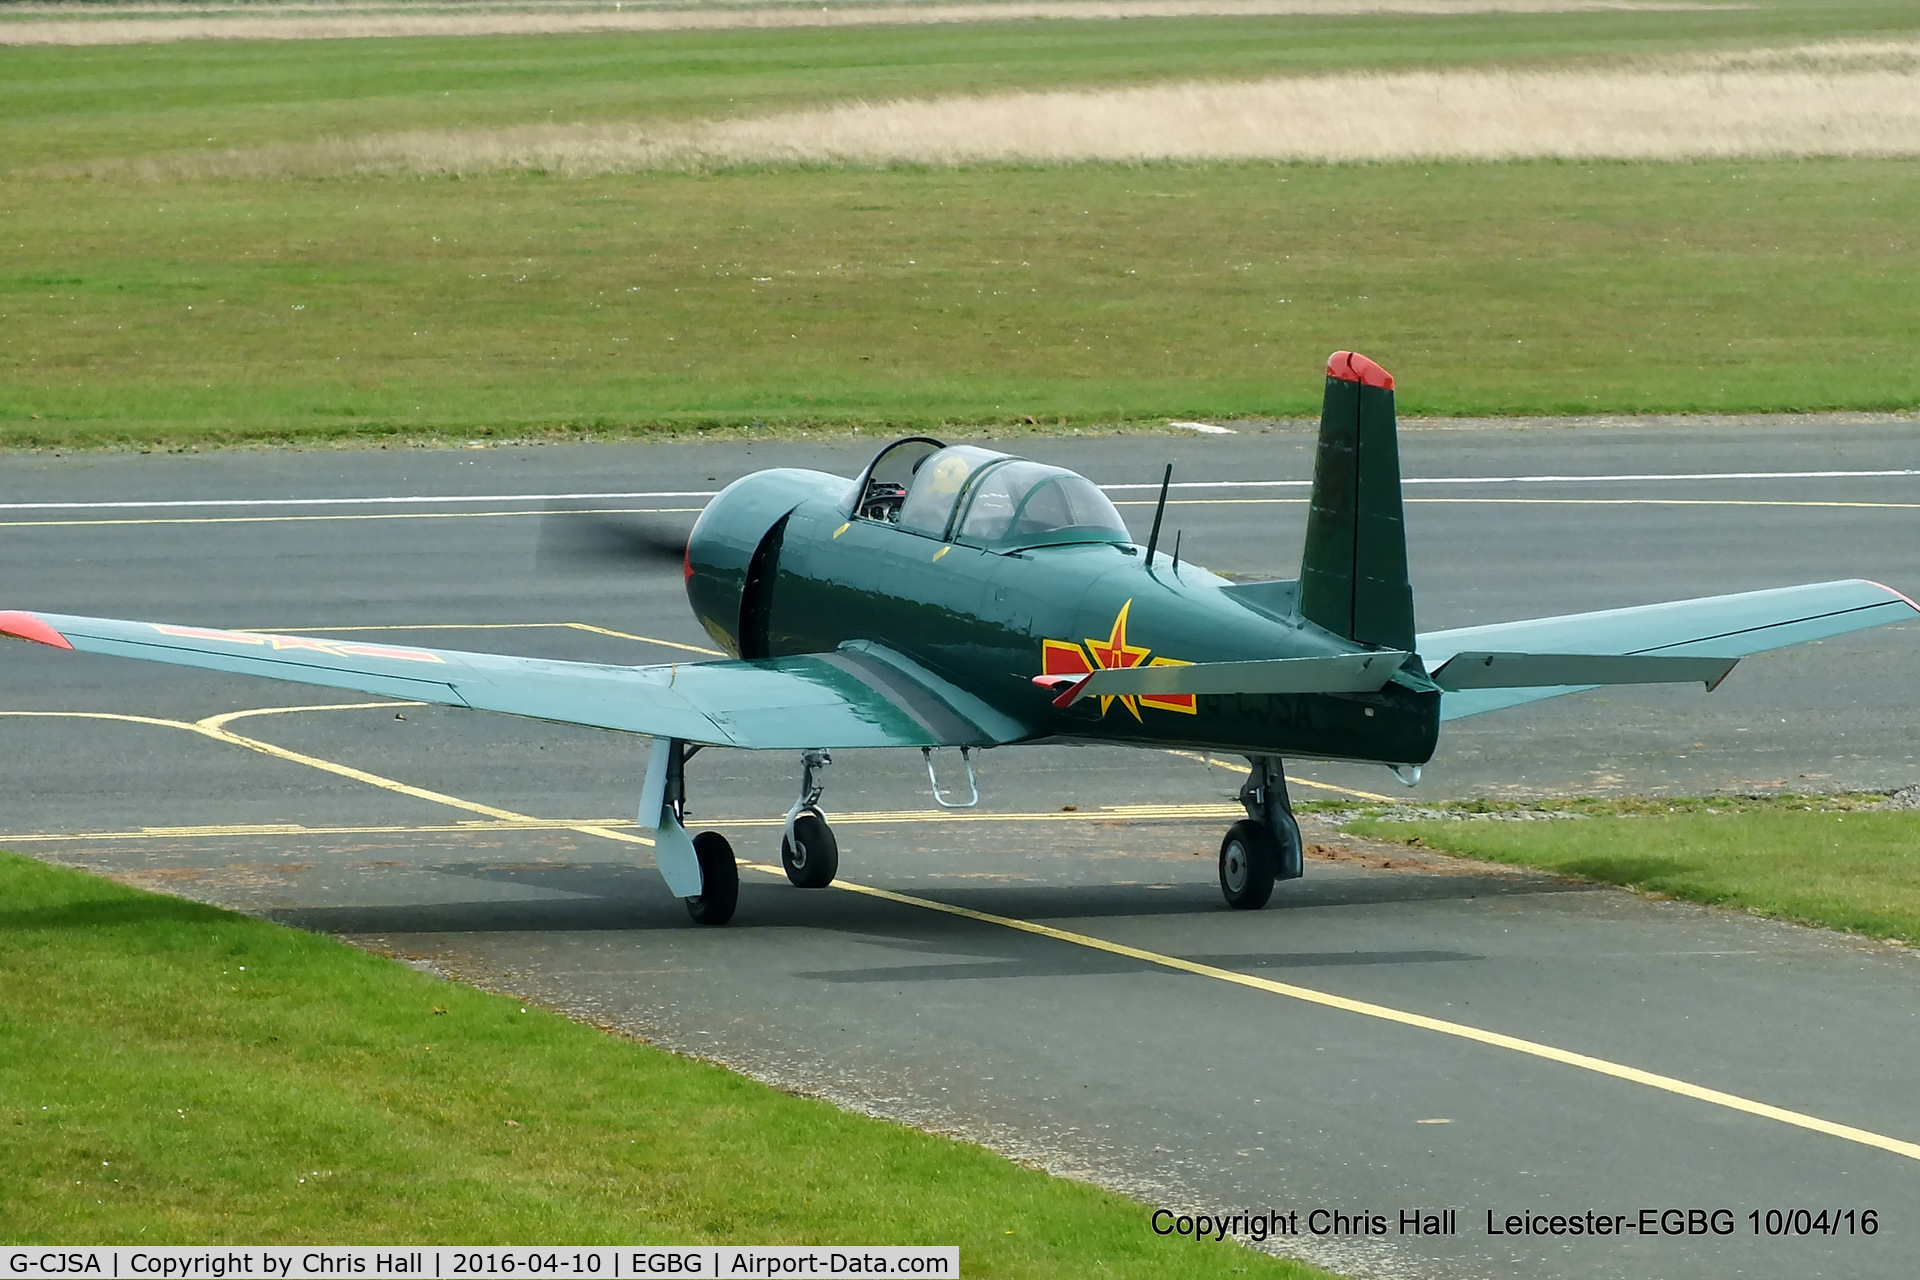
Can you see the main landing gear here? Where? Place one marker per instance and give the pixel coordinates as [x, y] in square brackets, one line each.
[719, 880]
[1265, 845]
[808, 849]
[702, 871]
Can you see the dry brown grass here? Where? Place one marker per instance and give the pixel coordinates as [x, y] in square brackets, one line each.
[1826, 55]
[1841, 100]
[1493, 115]
[156, 25]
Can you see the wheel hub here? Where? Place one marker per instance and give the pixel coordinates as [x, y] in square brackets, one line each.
[1236, 867]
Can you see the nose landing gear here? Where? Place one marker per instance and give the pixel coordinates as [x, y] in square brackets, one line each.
[808, 849]
[1264, 846]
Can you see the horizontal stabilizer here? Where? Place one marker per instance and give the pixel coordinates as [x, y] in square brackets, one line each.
[1338, 673]
[1531, 670]
[1716, 627]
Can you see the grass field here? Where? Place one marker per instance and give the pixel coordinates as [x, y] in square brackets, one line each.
[63, 106]
[228, 1080]
[1821, 862]
[172, 310]
[515, 304]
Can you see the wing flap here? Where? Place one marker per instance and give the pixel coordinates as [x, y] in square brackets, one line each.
[1534, 670]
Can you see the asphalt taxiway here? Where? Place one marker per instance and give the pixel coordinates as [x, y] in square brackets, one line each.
[1053, 973]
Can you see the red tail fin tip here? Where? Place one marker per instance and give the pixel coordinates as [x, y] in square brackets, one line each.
[27, 627]
[1351, 366]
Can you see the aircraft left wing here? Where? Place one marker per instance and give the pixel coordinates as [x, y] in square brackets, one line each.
[861, 695]
[1508, 663]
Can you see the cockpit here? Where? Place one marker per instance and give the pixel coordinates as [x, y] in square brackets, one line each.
[975, 496]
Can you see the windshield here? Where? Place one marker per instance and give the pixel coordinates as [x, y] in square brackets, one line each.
[889, 474]
[1026, 504]
[936, 486]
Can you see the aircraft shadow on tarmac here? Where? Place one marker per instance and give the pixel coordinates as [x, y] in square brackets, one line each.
[629, 897]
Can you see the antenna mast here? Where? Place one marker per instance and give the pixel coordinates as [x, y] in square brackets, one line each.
[1153, 538]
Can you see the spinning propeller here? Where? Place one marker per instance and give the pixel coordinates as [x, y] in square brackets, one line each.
[587, 541]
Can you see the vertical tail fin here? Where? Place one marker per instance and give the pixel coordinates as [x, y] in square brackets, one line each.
[1353, 576]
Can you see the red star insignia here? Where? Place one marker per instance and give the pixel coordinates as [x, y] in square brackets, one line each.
[1113, 652]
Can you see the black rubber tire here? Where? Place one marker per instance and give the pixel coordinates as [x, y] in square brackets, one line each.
[1249, 857]
[817, 861]
[719, 880]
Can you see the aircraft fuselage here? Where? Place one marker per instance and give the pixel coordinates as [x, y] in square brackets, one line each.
[778, 564]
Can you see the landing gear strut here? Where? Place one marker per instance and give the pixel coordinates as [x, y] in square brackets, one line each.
[1265, 845]
[808, 849]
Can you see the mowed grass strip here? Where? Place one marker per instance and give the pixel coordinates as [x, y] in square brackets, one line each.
[157, 313]
[62, 106]
[170, 1072]
[1857, 870]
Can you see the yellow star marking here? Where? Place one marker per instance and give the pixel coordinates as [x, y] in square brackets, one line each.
[1114, 651]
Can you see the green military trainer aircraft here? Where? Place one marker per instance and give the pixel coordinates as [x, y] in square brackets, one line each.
[952, 596]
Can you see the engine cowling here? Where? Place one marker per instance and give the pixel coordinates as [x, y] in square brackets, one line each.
[733, 552]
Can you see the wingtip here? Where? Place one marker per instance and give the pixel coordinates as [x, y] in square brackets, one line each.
[1901, 595]
[24, 626]
[1071, 694]
[1351, 366]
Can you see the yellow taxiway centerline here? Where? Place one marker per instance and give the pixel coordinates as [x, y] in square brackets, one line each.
[627, 635]
[1231, 767]
[1368, 1009]
[1308, 995]
[213, 727]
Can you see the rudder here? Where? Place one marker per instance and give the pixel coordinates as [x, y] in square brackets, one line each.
[1353, 574]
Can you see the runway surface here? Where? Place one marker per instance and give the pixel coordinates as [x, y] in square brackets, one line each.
[1382, 1038]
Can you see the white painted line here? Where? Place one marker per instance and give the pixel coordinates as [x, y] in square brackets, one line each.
[1204, 428]
[1700, 475]
[1603, 479]
[460, 498]
[351, 502]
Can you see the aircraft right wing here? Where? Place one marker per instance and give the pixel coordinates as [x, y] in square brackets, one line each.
[860, 695]
[1486, 668]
